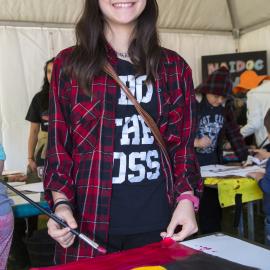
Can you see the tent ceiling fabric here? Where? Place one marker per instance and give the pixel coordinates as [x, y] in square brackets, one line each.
[194, 15]
[41, 11]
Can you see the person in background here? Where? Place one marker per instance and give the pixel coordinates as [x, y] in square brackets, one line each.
[104, 172]
[215, 122]
[258, 102]
[6, 218]
[37, 115]
[264, 182]
[239, 103]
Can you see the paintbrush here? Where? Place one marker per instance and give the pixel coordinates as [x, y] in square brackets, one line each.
[57, 219]
[263, 142]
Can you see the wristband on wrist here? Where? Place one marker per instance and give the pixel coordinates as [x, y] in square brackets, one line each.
[63, 202]
[195, 200]
[60, 199]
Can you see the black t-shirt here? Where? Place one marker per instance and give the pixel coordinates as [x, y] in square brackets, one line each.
[36, 113]
[139, 202]
[211, 121]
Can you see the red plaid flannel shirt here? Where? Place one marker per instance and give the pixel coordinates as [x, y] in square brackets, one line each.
[81, 143]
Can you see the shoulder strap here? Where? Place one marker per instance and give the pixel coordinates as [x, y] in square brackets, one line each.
[146, 117]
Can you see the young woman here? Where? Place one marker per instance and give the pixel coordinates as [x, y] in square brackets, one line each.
[6, 217]
[105, 174]
[37, 115]
[216, 121]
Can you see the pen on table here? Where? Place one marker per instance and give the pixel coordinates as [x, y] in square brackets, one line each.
[57, 219]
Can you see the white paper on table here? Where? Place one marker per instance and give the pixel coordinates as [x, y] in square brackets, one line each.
[15, 184]
[222, 170]
[232, 249]
[255, 160]
[10, 172]
[34, 187]
[19, 200]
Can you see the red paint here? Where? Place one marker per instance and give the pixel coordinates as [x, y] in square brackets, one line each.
[154, 254]
[168, 241]
[102, 250]
[202, 248]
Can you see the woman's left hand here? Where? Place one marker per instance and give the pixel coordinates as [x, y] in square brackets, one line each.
[184, 216]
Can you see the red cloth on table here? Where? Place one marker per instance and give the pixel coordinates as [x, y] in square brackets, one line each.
[154, 254]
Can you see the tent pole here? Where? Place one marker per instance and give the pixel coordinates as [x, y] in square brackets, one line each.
[235, 25]
[36, 24]
[195, 31]
[255, 27]
[72, 26]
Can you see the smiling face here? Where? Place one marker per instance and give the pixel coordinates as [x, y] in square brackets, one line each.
[121, 12]
[215, 100]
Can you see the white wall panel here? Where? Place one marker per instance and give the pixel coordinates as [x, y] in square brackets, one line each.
[192, 46]
[258, 40]
[23, 52]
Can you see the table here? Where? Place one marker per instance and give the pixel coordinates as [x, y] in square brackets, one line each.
[229, 187]
[219, 245]
[226, 186]
[22, 208]
[27, 210]
[234, 249]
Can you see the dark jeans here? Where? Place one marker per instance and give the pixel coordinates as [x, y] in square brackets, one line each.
[124, 242]
[19, 257]
[210, 212]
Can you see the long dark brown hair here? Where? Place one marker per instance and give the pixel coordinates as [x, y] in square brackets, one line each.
[44, 93]
[89, 55]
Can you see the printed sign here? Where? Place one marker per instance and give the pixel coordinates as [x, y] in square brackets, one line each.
[236, 63]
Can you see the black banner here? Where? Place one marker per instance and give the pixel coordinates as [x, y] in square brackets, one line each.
[236, 63]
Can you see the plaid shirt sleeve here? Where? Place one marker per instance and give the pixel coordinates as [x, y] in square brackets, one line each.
[58, 164]
[232, 132]
[181, 131]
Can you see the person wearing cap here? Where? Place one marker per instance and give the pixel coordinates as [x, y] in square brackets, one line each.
[258, 102]
[215, 122]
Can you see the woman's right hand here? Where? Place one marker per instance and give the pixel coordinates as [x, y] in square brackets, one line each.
[62, 235]
[32, 164]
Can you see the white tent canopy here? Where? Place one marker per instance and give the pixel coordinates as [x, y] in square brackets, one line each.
[32, 31]
[196, 15]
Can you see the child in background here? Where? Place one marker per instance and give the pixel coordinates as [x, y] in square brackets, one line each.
[215, 121]
[6, 218]
[264, 182]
